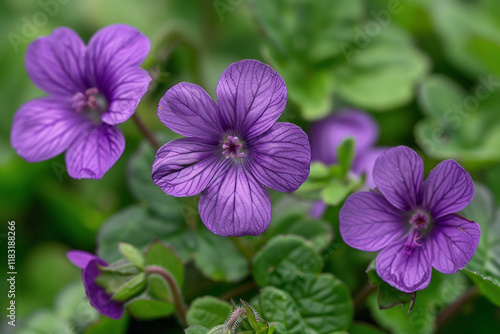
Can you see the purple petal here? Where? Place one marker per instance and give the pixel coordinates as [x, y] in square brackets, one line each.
[365, 161]
[235, 204]
[124, 93]
[80, 258]
[453, 242]
[112, 49]
[407, 273]
[55, 63]
[398, 174]
[447, 189]
[327, 134]
[98, 296]
[280, 158]
[44, 128]
[184, 167]
[188, 110]
[94, 153]
[251, 97]
[368, 222]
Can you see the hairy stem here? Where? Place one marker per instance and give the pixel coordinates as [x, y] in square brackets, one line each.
[180, 308]
[449, 311]
[145, 131]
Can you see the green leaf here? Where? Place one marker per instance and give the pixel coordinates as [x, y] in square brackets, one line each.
[138, 226]
[107, 325]
[484, 267]
[133, 287]
[219, 259]
[150, 309]
[335, 192]
[318, 171]
[442, 290]
[277, 306]
[284, 258]
[132, 254]
[383, 74]
[208, 312]
[438, 94]
[324, 303]
[388, 296]
[196, 329]
[345, 154]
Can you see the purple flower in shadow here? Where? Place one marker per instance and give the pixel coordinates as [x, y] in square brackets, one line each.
[327, 134]
[233, 150]
[97, 295]
[91, 89]
[412, 222]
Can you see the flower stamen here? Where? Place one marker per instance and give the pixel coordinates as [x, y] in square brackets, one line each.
[419, 222]
[232, 146]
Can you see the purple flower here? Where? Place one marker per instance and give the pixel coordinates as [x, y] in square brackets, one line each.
[412, 222]
[233, 150]
[327, 134]
[91, 89]
[97, 295]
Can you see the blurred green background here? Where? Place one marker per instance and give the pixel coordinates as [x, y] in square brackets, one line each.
[409, 63]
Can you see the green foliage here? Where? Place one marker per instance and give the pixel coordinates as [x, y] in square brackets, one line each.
[332, 184]
[132, 254]
[208, 312]
[459, 125]
[484, 268]
[300, 299]
[325, 47]
[387, 295]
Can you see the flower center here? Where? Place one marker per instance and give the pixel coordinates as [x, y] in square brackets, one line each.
[92, 103]
[232, 147]
[419, 222]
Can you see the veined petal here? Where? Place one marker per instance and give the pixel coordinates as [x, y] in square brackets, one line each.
[80, 258]
[44, 128]
[398, 174]
[407, 273]
[188, 110]
[251, 97]
[97, 295]
[447, 189]
[365, 161]
[235, 204]
[55, 62]
[369, 223]
[112, 49]
[125, 91]
[94, 153]
[327, 134]
[281, 157]
[453, 242]
[185, 167]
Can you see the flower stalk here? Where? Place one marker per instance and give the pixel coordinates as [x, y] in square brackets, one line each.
[180, 308]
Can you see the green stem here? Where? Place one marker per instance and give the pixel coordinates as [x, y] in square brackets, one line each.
[145, 131]
[180, 308]
[361, 297]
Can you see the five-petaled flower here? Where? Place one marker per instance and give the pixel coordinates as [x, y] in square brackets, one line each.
[98, 297]
[233, 150]
[412, 222]
[92, 88]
